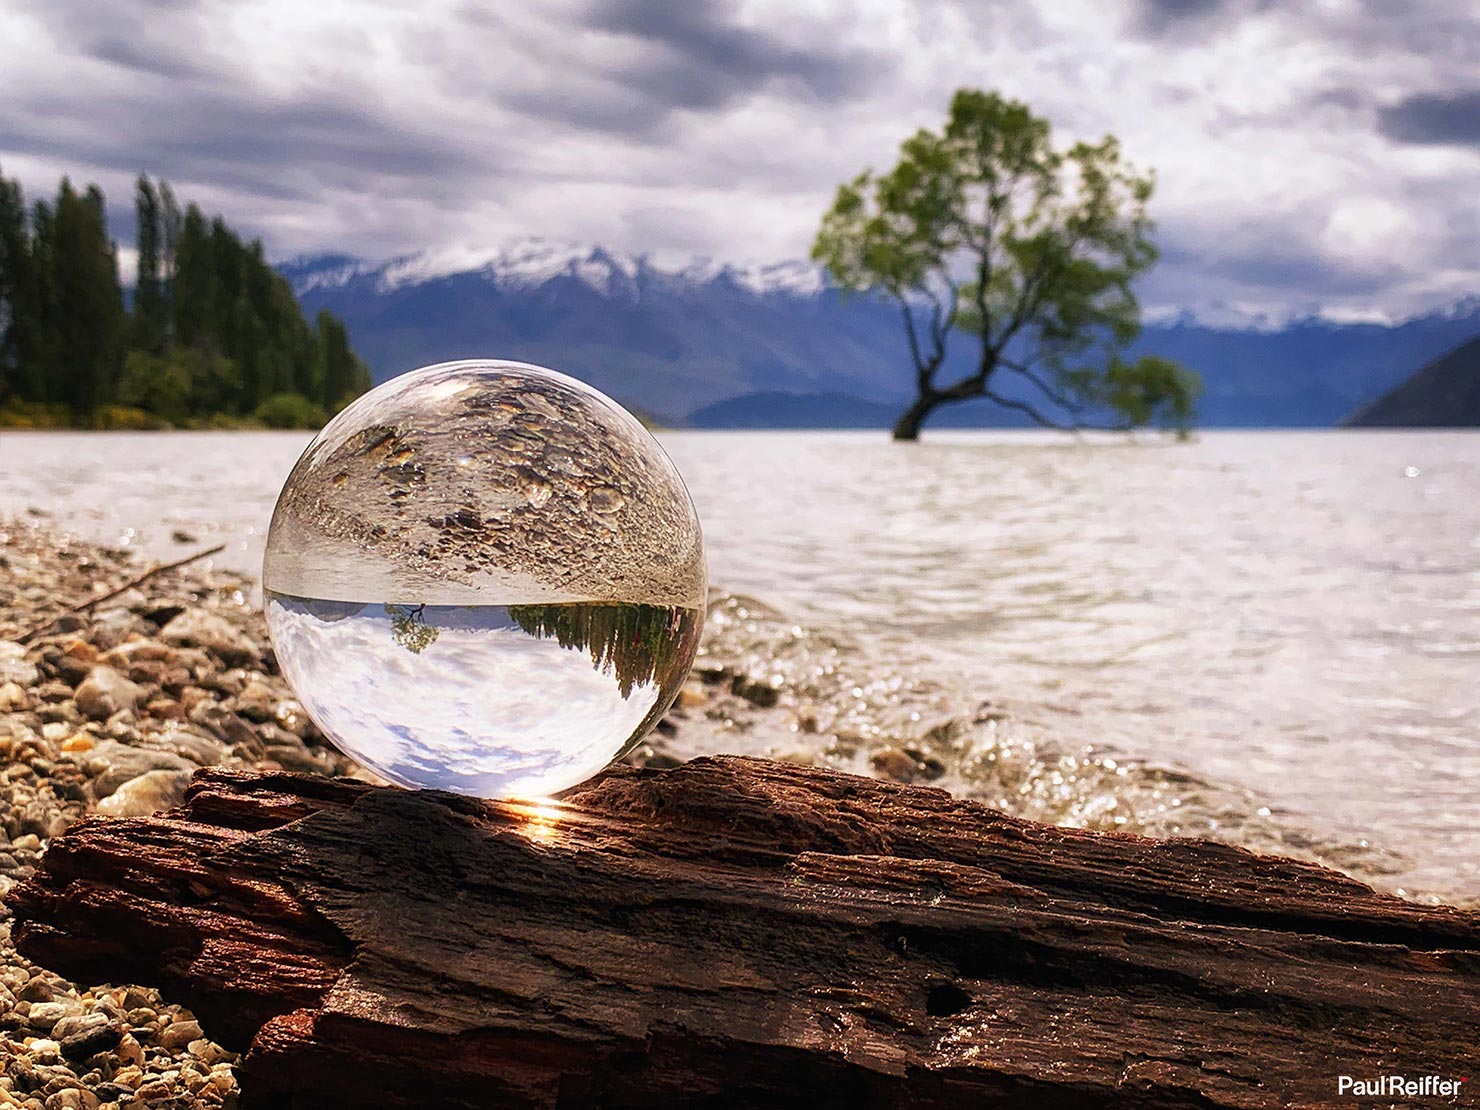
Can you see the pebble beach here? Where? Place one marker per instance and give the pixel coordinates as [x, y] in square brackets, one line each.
[109, 711]
[109, 702]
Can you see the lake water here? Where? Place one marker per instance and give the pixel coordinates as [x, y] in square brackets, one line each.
[1268, 637]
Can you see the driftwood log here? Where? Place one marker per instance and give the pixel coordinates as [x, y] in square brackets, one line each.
[736, 932]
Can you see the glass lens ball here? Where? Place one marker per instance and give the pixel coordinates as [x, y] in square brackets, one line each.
[485, 577]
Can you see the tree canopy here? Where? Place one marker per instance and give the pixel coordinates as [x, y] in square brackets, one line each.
[987, 230]
[214, 333]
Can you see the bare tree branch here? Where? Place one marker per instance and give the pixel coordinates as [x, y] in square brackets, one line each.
[1055, 395]
[1027, 306]
[922, 374]
[87, 603]
[1024, 407]
[984, 264]
[1047, 422]
[944, 317]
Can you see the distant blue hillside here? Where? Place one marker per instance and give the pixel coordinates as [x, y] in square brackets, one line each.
[1444, 393]
[794, 410]
[1311, 373]
[777, 346]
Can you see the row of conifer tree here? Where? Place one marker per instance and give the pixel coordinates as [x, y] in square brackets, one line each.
[213, 333]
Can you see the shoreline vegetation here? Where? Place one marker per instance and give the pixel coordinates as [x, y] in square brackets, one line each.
[211, 337]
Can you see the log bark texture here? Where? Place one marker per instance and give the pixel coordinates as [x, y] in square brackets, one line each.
[736, 932]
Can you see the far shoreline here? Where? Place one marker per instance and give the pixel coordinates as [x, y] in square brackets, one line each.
[947, 434]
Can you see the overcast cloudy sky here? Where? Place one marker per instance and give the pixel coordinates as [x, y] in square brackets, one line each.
[1313, 154]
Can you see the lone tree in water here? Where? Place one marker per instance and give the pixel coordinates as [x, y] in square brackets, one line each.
[987, 230]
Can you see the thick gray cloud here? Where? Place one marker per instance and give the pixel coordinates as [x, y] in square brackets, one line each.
[1309, 157]
[1189, 17]
[260, 146]
[120, 51]
[700, 57]
[1446, 117]
[626, 67]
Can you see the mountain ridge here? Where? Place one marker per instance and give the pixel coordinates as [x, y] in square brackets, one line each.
[1444, 393]
[681, 338]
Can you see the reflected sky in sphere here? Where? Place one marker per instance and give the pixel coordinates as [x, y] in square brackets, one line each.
[470, 699]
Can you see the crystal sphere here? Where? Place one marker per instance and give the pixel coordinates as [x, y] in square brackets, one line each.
[485, 577]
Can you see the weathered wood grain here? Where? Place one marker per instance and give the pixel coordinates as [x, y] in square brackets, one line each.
[735, 932]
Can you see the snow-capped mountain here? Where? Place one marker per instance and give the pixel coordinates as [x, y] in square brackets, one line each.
[669, 339]
[776, 344]
[529, 262]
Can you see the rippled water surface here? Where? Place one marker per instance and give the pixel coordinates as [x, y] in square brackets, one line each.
[1271, 637]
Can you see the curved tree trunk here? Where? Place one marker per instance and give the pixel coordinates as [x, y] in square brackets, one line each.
[907, 428]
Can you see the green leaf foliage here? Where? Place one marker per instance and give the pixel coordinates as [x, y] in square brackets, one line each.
[987, 230]
[184, 386]
[289, 410]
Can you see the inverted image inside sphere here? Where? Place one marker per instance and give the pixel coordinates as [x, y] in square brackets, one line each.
[456, 480]
[492, 701]
[485, 577]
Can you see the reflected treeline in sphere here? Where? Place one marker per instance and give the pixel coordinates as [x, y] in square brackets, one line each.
[485, 577]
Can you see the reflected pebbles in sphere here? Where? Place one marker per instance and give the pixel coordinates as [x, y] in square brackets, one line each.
[485, 577]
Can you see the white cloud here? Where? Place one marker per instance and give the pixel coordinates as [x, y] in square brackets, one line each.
[1307, 157]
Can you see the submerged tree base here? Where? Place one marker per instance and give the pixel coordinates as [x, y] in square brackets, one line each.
[907, 427]
[738, 932]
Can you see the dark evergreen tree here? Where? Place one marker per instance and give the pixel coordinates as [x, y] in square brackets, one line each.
[257, 334]
[226, 282]
[214, 330]
[150, 324]
[342, 376]
[89, 322]
[104, 298]
[295, 354]
[15, 263]
[170, 223]
[39, 351]
[193, 286]
[252, 341]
